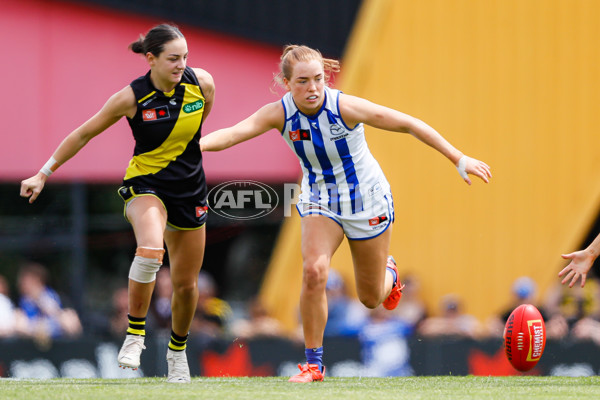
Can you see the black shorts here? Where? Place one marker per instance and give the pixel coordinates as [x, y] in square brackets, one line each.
[186, 213]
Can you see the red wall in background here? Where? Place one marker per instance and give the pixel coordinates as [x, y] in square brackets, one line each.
[62, 61]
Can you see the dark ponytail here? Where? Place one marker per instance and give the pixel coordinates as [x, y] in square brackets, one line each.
[155, 39]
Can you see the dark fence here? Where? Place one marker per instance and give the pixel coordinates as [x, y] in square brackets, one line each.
[89, 358]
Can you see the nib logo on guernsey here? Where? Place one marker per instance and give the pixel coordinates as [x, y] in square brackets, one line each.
[195, 106]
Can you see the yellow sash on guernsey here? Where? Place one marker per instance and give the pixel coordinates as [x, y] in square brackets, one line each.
[184, 130]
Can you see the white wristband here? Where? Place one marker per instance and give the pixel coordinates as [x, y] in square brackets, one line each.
[50, 166]
[462, 165]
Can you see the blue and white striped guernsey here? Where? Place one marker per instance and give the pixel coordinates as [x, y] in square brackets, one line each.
[339, 171]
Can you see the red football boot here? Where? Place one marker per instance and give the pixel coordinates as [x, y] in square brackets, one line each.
[310, 373]
[394, 297]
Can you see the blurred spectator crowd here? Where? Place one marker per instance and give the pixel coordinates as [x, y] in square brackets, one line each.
[38, 312]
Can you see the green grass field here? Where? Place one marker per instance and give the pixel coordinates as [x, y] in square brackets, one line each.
[444, 387]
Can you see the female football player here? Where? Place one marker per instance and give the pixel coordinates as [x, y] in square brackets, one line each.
[164, 187]
[344, 191]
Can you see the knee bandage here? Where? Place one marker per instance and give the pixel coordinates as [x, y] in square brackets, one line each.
[146, 263]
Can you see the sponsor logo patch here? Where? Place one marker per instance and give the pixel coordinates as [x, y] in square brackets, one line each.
[300, 134]
[200, 211]
[149, 115]
[377, 220]
[336, 130]
[152, 114]
[195, 106]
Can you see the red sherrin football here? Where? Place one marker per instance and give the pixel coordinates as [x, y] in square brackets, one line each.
[524, 337]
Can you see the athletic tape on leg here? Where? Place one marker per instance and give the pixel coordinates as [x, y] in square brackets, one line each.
[143, 268]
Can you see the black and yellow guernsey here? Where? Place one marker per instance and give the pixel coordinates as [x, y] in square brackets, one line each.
[167, 129]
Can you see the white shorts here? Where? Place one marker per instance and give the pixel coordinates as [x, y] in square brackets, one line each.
[363, 225]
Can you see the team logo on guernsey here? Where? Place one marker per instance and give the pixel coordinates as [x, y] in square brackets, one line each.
[195, 106]
[152, 114]
[378, 220]
[299, 134]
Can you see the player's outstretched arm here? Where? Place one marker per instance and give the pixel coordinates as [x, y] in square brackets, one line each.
[581, 262]
[356, 110]
[270, 116]
[120, 104]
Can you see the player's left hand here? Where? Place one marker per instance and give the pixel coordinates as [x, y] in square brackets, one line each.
[467, 165]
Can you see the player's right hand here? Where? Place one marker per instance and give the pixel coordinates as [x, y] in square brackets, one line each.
[467, 165]
[32, 187]
[580, 264]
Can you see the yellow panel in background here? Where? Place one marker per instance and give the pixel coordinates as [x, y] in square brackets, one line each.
[514, 83]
